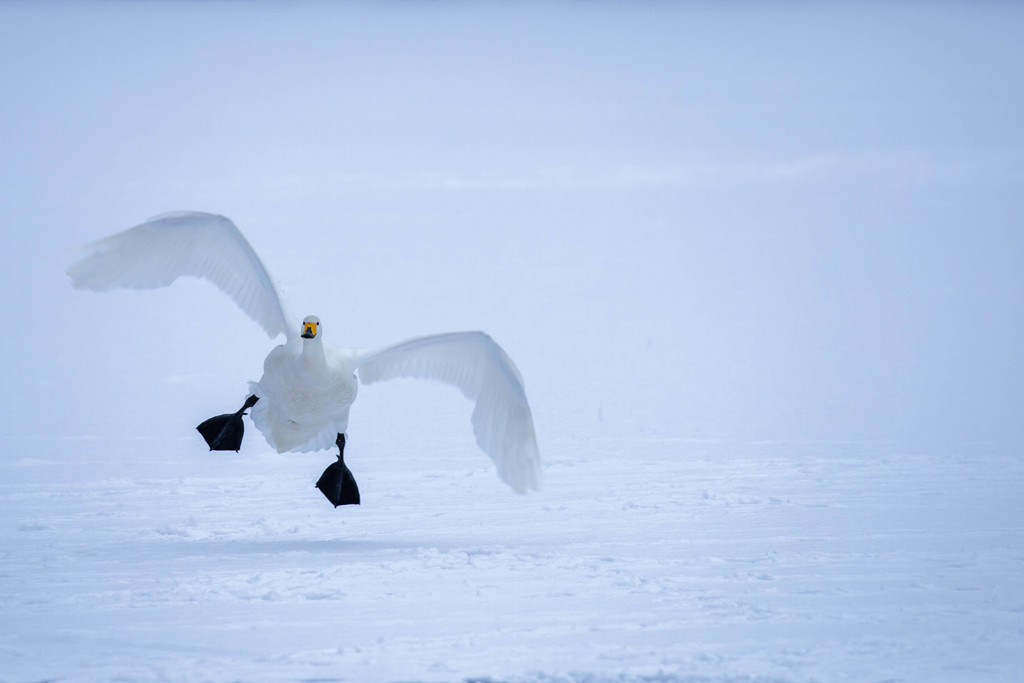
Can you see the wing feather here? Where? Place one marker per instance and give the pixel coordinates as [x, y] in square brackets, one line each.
[159, 251]
[473, 362]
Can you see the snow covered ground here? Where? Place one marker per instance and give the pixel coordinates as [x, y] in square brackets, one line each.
[758, 264]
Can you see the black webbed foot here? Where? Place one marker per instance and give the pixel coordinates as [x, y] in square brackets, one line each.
[338, 485]
[225, 432]
[337, 482]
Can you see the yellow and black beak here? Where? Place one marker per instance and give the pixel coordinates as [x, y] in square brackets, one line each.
[309, 330]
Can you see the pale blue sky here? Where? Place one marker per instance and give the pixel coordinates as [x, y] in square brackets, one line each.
[791, 220]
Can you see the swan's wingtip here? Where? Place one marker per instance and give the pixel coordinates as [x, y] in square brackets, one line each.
[184, 213]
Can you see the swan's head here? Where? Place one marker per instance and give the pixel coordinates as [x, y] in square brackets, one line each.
[310, 327]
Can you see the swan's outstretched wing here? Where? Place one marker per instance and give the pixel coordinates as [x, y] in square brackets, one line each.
[474, 363]
[159, 251]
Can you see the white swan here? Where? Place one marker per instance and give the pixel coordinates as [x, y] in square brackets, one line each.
[302, 401]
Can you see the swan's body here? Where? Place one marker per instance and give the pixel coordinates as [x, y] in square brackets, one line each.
[305, 394]
[302, 401]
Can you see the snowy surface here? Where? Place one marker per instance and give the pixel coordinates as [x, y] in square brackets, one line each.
[759, 266]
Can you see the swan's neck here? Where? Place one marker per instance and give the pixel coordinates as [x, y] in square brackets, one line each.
[313, 352]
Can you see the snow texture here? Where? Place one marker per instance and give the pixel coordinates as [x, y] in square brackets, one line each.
[757, 263]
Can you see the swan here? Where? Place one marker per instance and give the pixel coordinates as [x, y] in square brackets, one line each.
[302, 401]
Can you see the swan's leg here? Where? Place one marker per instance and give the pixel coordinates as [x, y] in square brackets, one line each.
[224, 432]
[337, 482]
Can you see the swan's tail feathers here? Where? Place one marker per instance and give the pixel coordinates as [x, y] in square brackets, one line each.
[225, 432]
[338, 484]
